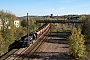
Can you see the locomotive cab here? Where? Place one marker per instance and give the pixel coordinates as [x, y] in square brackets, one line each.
[25, 42]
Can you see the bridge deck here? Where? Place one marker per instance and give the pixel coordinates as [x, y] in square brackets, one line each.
[59, 21]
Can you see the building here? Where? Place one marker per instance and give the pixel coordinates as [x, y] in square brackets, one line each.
[17, 23]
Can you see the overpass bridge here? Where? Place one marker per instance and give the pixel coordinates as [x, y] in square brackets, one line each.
[59, 21]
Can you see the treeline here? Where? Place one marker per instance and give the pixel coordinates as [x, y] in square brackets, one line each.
[63, 17]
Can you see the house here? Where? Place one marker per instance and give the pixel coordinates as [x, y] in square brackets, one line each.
[17, 23]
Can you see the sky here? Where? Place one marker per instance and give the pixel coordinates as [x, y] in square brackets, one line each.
[45, 7]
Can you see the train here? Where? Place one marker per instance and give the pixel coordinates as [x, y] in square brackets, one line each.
[29, 38]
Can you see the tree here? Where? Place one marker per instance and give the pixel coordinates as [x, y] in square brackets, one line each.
[83, 17]
[19, 33]
[76, 44]
[2, 44]
[86, 28]
[24, 23]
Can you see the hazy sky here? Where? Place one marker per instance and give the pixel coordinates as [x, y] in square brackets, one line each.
[45, 7]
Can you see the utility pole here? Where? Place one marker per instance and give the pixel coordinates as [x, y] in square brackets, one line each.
[27, 27]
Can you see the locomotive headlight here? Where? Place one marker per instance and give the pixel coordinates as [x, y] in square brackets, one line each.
[31, 38]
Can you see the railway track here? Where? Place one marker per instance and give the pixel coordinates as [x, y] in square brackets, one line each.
[31, 52]
[16, 54]
[34, 47]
